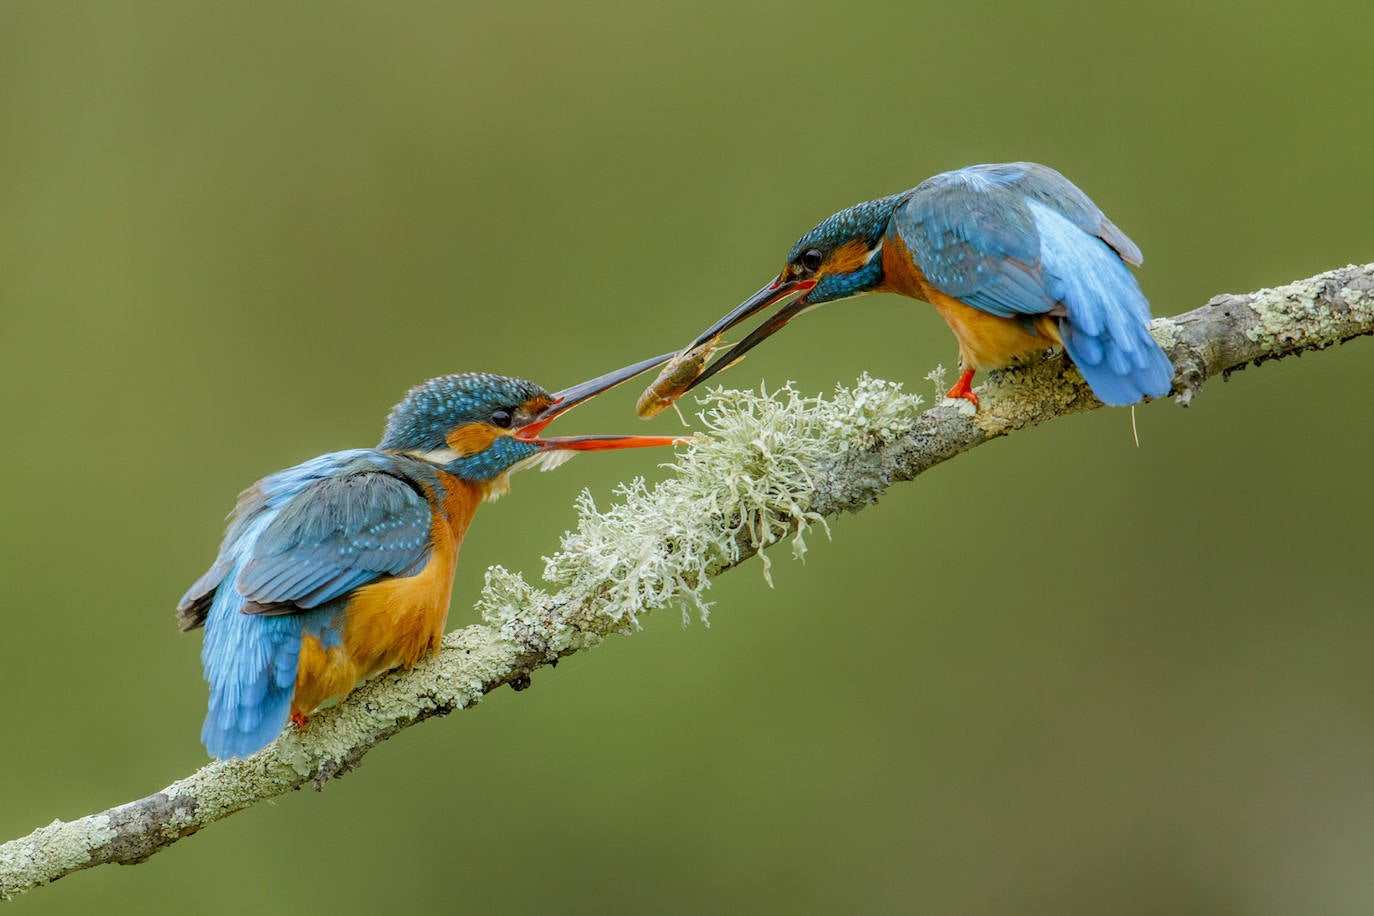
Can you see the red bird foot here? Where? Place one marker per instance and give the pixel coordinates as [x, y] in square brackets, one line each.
[301, 720]
[964, 388]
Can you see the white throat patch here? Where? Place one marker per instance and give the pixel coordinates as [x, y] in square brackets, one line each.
[545, 460]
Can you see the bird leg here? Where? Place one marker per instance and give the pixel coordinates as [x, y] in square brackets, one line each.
[964, 388]
[300, 719]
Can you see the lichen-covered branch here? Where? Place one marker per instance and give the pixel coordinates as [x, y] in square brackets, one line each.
[769, 468]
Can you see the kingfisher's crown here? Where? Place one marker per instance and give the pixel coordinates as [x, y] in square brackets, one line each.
[432, 408]
[866, 222]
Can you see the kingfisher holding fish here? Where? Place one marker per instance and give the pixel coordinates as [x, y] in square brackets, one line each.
[341, 567]
[1013, 256]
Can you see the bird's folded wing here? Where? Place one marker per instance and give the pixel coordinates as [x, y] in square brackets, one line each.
[973, 234]
[336, 534]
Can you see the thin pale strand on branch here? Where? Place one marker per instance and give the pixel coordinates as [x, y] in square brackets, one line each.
[770, 468]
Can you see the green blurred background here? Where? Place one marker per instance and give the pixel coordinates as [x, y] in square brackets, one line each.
[1061, 674]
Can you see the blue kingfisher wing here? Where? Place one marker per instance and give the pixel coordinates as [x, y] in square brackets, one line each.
[975, 234]
[307, 535]
[1043, 184]
[337, 534]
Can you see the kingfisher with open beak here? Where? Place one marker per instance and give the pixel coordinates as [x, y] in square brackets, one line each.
[1013, 256]
[341, 567]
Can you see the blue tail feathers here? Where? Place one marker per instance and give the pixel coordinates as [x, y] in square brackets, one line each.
[1106, 332]
[250, 664]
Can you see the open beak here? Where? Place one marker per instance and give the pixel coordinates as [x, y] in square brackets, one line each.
[774, 292]
[569, 398]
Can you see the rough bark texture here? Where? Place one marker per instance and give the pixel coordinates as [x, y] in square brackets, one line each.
[1228, 333]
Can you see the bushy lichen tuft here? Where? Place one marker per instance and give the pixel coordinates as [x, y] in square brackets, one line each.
[744, 483]
[505, 595]
[936, 377]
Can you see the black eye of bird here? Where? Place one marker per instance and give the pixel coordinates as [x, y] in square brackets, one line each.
[501, 418]
[812, 259]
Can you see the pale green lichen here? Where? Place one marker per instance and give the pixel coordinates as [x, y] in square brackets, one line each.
[505, 594]
[1352, 297]
[1020, 396]
[51, 852]
[744, 483]
[1282, 312]
[1165, 332]
[937, 377]
[1300, 312]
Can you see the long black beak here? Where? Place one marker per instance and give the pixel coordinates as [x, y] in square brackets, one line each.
[568, 398]
[775, 291]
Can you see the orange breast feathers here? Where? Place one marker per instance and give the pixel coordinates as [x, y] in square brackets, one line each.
[986, 341]
[394, 622]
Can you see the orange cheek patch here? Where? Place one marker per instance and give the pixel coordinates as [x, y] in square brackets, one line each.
[538, 404]
[848, 258]
[471, 439]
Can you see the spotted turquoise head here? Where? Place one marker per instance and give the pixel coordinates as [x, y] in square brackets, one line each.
[842, 255]
[480, 427]
[839, 258]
